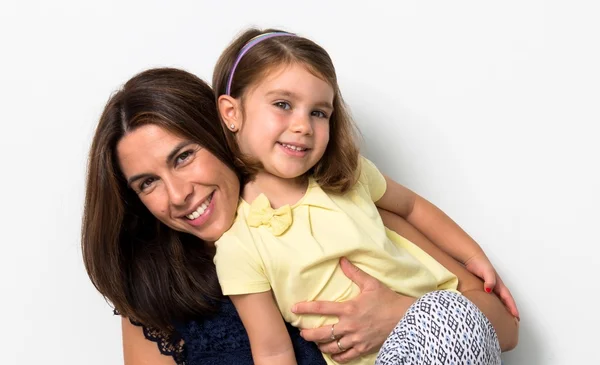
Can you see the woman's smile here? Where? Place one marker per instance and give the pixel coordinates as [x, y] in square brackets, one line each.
[181, 183]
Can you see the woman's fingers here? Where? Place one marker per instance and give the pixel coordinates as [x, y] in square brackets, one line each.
[322, 335]
[350, 352]
[346, 356]
[331, 347]
[359, 277]
[319, 307]
[506, 297]
[364, 321]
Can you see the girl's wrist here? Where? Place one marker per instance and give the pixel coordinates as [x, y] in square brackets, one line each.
[471, 255]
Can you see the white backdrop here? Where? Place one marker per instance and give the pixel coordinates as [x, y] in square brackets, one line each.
[489, 109]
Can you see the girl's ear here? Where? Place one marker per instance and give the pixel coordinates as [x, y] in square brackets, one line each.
[231, 114]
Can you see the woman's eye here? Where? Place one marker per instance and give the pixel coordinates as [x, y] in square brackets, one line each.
[183, 157]
[319, 114]
[283, 105]
[147, 183]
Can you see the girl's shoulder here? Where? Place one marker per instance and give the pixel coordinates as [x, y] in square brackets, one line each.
[371, 178]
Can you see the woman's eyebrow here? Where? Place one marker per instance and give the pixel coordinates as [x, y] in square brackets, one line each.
[176, 150]
[136, 177]
[169, 158]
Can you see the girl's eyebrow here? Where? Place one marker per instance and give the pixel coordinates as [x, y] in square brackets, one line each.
[325, 105]
[289, 94]
[169, 158]
[282, 92]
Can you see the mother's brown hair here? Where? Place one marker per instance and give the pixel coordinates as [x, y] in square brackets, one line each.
[150, 273]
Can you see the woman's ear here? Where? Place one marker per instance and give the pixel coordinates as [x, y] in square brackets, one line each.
[230, 110]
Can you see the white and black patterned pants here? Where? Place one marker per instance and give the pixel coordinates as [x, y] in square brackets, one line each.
[441, 327]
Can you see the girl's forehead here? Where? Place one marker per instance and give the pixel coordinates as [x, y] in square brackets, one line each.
[291, 68]
[290, 76]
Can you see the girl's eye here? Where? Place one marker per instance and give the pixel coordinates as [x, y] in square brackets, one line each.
[147, 183]
[184, 156]
[283, 105]
[319, 114]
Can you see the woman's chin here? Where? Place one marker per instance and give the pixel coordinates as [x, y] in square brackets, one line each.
[218, 232]
[212, 233]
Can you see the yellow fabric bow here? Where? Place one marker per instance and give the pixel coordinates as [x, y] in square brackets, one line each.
[276, 220]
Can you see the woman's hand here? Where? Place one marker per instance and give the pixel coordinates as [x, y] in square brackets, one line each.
[364, 321]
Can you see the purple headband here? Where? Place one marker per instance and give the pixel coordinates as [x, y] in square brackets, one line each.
[251, 43]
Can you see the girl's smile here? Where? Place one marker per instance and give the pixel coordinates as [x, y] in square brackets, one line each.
[286, 121]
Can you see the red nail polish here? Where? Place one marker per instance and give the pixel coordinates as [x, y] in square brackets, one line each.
[488, 290]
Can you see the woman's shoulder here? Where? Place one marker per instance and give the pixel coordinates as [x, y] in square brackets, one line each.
[145, 345]
[218, 340]
[222, 340]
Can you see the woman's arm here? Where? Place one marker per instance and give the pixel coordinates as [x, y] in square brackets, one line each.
[368, 319]
[137, 350]
[506, 326]
[269, 339]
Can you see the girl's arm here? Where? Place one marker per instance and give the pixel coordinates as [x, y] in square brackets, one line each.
[137, 350]
[446, 234]
[269, 338]
[505, 324]
[368, 318]
[429, 220]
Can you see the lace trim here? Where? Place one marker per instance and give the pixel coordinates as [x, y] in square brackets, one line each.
[168, 344]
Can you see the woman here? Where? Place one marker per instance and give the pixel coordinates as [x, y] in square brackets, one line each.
[163, 125]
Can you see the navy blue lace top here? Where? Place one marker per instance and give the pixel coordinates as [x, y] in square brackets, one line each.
[222, 340]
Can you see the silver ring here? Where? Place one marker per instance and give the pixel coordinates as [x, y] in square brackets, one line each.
[332, 337]
[342, 349]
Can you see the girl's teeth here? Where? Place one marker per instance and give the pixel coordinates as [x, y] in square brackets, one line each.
[293, 148]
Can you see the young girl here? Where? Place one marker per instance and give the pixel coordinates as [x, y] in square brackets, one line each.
[310, 199]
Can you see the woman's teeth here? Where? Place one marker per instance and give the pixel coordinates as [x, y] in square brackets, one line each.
[293, 148]
[200, 210]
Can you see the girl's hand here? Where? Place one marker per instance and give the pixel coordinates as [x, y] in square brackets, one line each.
[364, 321]
[481, 266]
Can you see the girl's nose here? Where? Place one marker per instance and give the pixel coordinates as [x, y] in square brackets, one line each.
[302, 124]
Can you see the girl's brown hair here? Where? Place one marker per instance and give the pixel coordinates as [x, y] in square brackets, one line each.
[151, 273]
[336, 171]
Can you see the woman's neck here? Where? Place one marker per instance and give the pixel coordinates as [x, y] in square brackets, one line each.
[278, 190]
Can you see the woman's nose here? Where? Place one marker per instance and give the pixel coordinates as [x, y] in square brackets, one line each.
[179, 191]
